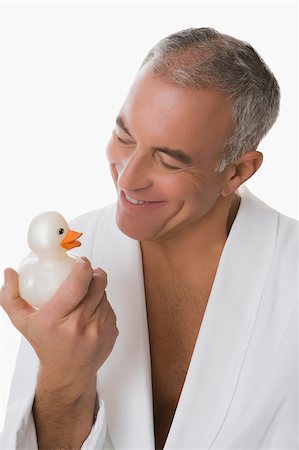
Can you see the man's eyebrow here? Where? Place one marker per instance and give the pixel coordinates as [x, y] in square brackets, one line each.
[177, 154]
[120, 123]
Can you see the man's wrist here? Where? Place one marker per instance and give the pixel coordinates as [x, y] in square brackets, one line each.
[65, 388]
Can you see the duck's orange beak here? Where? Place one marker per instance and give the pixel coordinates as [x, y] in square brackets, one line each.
[70, 240]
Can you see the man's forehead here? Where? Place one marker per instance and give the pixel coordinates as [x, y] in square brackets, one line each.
[160, 107]
[149, 89]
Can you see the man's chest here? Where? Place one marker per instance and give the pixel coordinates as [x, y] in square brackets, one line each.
[174, 311]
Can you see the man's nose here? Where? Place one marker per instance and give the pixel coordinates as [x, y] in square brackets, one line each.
[135, 173]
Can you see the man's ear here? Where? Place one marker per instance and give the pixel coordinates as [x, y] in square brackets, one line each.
[240, 171]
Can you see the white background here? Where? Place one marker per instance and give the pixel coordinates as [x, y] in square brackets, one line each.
[66, 69]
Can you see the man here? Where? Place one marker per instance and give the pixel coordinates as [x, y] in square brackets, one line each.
[201, 277]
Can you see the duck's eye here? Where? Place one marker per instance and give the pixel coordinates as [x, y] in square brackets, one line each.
[60, 231]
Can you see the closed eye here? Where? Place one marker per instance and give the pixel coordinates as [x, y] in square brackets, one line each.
[168, 166]
[122, 141]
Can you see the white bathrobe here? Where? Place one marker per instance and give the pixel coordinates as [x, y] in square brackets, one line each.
[241, 389]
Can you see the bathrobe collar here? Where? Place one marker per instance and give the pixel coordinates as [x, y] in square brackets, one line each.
[223, 339]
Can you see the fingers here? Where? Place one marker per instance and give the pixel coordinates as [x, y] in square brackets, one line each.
[104, 320]
[15, 307]
[95, 306]
[94, 294]
[73, 290]
[82, 293]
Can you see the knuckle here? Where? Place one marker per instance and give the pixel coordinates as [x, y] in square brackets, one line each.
[114, 338]
[113, 327]
[94, 333]
[77, 327]
[74, 327]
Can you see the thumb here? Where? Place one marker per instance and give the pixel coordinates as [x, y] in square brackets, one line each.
[14, 306]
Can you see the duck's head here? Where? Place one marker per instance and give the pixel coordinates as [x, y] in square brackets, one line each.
[49, 235]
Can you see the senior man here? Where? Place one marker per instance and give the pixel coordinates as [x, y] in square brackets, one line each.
[201, 277]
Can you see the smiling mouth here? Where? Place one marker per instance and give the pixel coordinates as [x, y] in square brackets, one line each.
[133, 201]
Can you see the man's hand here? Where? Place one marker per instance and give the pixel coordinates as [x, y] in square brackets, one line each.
[72, 335]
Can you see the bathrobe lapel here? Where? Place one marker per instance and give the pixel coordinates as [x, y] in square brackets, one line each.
[227, 326]
[220, 350]
[125, 378]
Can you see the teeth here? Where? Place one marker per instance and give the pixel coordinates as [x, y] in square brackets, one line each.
[132, 200]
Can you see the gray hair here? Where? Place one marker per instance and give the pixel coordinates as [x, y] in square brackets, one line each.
[202, 57]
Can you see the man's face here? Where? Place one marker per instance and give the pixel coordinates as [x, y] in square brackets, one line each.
[163, 153]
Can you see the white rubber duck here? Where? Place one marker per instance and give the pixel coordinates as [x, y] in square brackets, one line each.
[42, 272]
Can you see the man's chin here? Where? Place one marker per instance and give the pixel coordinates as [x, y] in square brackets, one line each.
[133, 231]
[133, 234]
